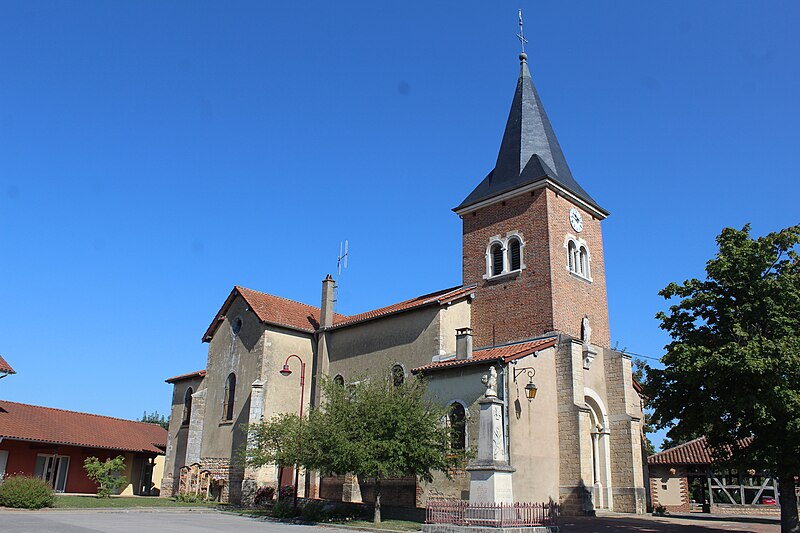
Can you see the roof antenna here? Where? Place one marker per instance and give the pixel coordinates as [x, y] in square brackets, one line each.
[341, 264]
[521, 36]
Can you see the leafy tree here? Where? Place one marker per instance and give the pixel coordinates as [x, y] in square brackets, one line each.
[106, 474]
[732, 370]
[277, 441]
[155, 418]
[373, 428]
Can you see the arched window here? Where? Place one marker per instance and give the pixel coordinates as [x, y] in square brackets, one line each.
[457, 418]
[398, 375]
[497, 259]
[515, 253]
[572, 256]
[583, 257]
[236, 326]
[339, 380]
[187, 407]
[230, 395]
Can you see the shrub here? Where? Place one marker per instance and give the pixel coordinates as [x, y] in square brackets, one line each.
[190, 498]
[106, 474]
[660, 510]
[284, 508]
[287, 491]
[264, 495]
[314, 511]
[26, 493]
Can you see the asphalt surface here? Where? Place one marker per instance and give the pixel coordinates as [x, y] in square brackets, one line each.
[152, 521]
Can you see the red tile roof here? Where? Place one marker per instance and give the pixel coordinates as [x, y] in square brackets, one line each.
[271, 310]
[190, 375]
[5, 367]
[295, 315]
[505, 354]
[19, 421]
[439, 298]
[694, 452]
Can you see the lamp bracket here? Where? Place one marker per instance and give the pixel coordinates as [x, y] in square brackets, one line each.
[528, 370]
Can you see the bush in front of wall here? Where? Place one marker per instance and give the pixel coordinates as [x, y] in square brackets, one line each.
[106, 474]
[26, 492]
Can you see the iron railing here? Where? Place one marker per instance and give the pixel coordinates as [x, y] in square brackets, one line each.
[464, 513]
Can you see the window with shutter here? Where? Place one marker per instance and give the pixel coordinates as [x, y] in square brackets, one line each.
[515, 252]
[497, 260]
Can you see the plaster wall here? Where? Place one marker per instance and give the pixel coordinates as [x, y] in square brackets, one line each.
[533, 429]
[238, 354]
[461, 384]
[452, 317]
[282, 393]
[177, 436]
[410, 338]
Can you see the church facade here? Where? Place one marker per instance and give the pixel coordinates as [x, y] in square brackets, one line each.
[532, 305]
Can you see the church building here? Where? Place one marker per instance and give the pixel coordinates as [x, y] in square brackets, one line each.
[531, 308]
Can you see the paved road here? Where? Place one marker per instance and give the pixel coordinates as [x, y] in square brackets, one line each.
[140, 522]
[119, 521]
[652, 524]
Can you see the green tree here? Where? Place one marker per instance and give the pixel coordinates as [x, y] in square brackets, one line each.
[373, 428]
[155, 418]
[106, 474]
[732, 370]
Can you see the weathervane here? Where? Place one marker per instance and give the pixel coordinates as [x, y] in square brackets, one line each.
[521, 34]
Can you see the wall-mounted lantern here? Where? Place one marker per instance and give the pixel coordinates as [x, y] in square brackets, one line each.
[530, 388]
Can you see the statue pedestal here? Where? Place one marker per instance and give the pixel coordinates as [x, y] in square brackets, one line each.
[490, 473]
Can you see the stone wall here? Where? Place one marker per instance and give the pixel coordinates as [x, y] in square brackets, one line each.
[223, 468]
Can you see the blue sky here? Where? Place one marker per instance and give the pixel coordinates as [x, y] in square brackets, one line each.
[152, 155]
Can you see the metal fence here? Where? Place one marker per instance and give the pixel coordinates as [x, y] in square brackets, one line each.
[464, 513]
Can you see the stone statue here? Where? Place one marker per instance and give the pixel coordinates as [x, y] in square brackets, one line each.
[490, 380]
[586, 331]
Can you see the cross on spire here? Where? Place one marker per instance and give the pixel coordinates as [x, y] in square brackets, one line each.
[521, 35]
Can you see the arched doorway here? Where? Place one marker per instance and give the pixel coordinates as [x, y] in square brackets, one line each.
[600, 442]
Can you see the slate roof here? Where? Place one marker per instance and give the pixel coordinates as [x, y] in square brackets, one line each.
[5, 367]
[435, 298]
[506, 354]
[19, 421]
[190, 375]
[694, 452]
[529, 152]
[295, 315]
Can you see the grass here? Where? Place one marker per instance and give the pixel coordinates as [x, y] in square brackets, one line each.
[394, 525]
[93, 502]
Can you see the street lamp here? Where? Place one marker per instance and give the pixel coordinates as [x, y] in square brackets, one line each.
[286, 371]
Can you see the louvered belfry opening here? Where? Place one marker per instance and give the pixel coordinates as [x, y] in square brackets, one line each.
[497, 260]
[516, 256]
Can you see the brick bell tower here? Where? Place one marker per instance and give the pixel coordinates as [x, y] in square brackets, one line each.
[531, 237]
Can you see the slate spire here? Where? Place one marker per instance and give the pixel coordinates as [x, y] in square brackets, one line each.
[529, 151]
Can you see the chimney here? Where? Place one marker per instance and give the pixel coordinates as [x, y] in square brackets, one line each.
[464, 343]
[326, 309]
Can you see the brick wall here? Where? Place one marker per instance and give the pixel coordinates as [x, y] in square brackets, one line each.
[574, 297]
[544, 296]
[518, 306]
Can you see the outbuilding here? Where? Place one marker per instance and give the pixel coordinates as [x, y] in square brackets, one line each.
[53, 444]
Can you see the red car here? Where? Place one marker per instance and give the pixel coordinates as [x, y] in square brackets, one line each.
[768, 500]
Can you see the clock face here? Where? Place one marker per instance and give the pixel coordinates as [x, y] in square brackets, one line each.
[576, 220]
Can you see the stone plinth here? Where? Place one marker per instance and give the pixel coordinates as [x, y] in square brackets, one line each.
[490, 473]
